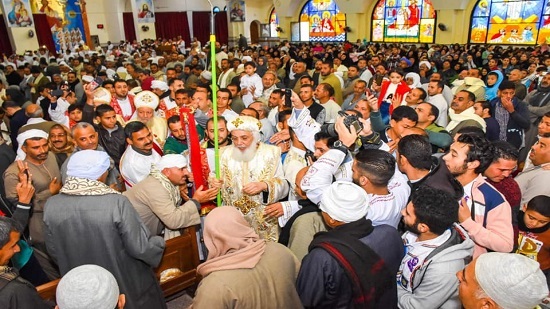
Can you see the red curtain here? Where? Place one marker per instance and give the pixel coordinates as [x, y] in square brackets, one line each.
[5, 44]
[201, 26]
[169, 25]
[129, 29]
[222, 31]
[43, 32]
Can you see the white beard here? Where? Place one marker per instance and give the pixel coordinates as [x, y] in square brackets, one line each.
[243, 156]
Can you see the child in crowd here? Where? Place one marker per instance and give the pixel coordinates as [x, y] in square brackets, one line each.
[534, 232]
[251, 84]
[110, 132]
[494, 78]
[392, 94]
[75, 114]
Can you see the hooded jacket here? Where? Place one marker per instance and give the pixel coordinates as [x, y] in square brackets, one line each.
[434, 283]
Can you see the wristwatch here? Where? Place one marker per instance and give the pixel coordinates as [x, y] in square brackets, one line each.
[340, 146]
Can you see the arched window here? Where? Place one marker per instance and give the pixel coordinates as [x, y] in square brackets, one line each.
[322, 21]
[403, 21]
[510, 22]
[273, 24]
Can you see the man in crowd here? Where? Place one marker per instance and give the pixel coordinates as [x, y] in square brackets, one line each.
[42, 165]
[483, 212]
[462, 113]
[16, 292]
[324, 93]
[354, 262]
[122, 102]
[484, 284]
[328, 77]
[511, 114]
[533, 181]
[252, 174]
[136, 161]
[90, 223]
[157, 198]
[435, 251]
[435, 97]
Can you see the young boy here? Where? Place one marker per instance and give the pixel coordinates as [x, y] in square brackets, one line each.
[110, 132]
[75, 114]
[251, 84]
[534, 232]
[494, 78]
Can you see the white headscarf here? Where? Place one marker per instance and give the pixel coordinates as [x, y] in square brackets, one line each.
[512, 280]
[21, 138]
[345, 202]
[89, 164]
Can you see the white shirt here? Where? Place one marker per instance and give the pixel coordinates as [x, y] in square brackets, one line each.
[134, 166]
[415, 254]
[125, 106]
[439, 101]
[247, 82]
[386, 209]
[332, 108]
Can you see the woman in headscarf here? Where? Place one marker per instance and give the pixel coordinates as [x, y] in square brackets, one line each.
[242, 270]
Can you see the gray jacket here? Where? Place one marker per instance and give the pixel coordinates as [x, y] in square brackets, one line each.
[434, 283]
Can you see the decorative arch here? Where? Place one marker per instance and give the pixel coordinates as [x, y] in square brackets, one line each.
[322, 21]
[511, 22]
[273, 24]
[403, 21]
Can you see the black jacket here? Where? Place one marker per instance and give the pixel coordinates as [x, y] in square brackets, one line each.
[114, 142]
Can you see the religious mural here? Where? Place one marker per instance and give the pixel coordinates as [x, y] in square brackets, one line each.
[522, 22]
[322, 21]
[403, 21]
[18, 12]
[65, 21]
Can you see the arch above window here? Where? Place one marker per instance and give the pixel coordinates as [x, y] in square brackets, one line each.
[403, 21]
[322, 21]
[522, 22]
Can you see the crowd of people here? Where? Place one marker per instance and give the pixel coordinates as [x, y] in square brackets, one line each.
[351, 175]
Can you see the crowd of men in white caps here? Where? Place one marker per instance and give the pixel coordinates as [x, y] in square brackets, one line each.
[352, 175]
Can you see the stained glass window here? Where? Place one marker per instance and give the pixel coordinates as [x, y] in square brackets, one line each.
[403, 21]
[322, 21]
[525, 22]
[273, 24]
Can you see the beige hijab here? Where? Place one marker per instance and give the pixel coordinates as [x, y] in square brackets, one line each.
[231, 242]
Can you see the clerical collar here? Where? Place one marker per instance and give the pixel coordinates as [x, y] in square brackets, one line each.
[141, 152]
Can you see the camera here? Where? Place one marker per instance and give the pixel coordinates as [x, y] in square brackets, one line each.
[351, 120]
[58, 93]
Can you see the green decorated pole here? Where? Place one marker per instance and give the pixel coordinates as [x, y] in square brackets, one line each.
[214, 97]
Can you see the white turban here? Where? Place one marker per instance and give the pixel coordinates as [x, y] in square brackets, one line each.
[245, 123]
[87, 78]
[158, 84]
[345, 202]
[512, 280]
[21, 138]
[171, 160]
[90, 164]
[426, 63]
[87, 286]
